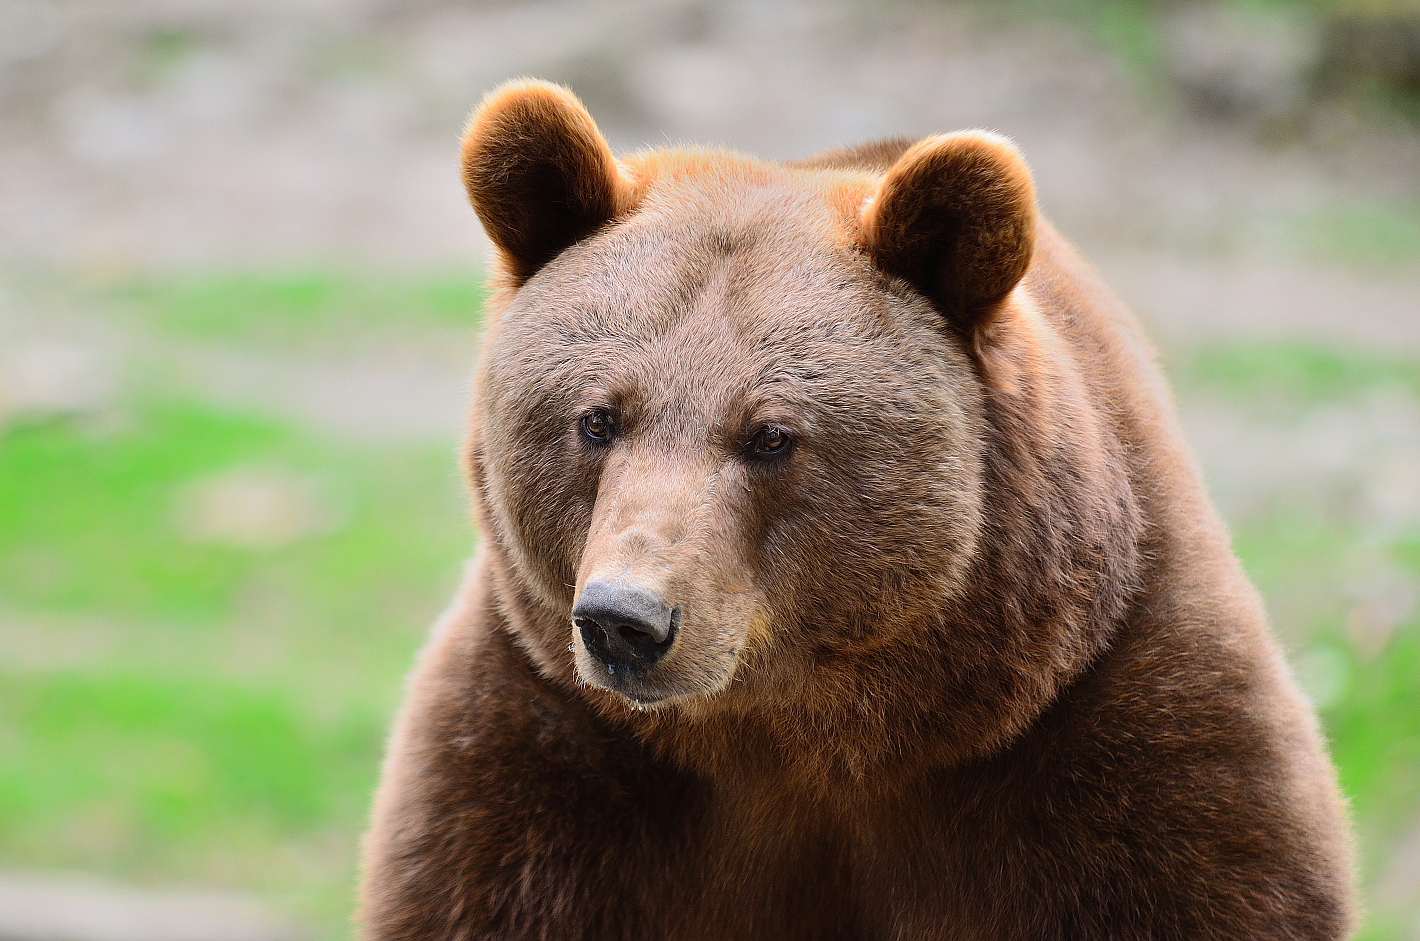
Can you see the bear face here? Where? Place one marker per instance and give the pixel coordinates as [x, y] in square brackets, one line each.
[750, 420]
[750, 434]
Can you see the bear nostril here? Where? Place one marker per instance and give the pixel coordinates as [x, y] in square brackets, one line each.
[635, 635]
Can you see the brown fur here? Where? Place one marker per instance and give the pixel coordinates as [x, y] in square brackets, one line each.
[973, 661]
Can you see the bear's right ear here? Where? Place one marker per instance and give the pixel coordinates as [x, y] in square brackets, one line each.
[955, 218]
[538, 173]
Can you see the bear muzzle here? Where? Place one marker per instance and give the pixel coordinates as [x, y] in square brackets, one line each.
[626, 629]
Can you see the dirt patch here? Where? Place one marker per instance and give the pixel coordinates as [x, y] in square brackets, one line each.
[75, 908]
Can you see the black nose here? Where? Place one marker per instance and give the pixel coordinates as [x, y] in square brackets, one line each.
[623, 625]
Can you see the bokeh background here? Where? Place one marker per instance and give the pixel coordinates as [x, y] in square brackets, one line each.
[239, 300]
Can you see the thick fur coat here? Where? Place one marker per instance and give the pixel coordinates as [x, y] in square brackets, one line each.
[954, 645]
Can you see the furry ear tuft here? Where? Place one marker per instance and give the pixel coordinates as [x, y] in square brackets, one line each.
[955, 217]
[538, 173]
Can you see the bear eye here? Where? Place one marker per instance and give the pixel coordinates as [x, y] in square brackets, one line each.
[769, 442]
[598, 426]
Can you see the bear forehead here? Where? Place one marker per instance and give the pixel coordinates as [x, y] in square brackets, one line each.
[730, 271]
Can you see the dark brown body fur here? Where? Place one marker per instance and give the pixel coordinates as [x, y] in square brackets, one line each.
[1078, 729]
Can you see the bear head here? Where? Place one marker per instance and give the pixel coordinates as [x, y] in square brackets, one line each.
[785, 451]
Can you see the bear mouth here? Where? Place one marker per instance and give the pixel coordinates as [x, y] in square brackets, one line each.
[634, 687]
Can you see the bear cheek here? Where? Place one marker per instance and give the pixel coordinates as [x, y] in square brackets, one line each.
[538, 493]
[859, 546]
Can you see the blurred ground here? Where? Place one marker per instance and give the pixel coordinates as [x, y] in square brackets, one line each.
[238, 292]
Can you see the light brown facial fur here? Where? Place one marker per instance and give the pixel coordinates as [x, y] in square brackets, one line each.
[843, 575]
[714, 340]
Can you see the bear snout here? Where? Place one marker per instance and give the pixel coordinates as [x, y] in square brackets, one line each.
[627, 628]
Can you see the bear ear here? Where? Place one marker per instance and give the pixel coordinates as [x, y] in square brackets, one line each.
[538, 173]
[955, 217]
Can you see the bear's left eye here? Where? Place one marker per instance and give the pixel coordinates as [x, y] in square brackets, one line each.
[769, 442]
[598, 425]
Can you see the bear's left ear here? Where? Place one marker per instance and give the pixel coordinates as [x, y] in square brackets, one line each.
[955, 217]
[538, 173]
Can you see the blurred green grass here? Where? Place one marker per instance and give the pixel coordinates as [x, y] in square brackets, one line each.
[206, 709]
[1363, 234]
[267, 307]
[182, 707]
[1291, 373]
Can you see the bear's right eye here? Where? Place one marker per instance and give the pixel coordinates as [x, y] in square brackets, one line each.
[598, 426]
[770, 442]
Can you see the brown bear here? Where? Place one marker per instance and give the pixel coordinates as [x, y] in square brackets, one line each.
[844, 575]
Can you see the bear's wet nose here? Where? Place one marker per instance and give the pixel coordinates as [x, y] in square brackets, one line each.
[624, 624]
